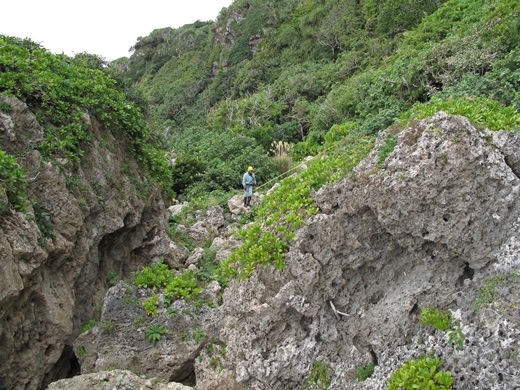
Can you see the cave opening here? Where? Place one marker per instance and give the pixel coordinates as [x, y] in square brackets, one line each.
[185, 375]
[67, 366]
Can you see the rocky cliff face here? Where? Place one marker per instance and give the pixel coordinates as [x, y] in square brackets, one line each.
[438, 226]
[429, 229]
[87, 219]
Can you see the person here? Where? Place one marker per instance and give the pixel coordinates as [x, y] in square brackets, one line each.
[248, 180]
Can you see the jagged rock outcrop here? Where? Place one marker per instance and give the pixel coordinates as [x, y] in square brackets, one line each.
[427, 230]
[88, 219]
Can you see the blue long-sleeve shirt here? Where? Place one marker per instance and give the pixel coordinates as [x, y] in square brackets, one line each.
[248, 180]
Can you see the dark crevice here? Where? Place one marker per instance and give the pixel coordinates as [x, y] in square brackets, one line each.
[374, 356]
[467, 273]
[185, 374]
[67, 366]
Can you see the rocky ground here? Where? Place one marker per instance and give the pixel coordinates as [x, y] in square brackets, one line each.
[437, 227]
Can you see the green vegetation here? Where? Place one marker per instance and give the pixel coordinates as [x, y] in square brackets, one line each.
[151, 305]
[422, 373]
[12, 183]
[286, 209]
[139, 322]
[81, 351]
[88, 326]
[61, 90]
[489, 294]
[159, 275]
[320, 376]
[443, 320]
[113, 278]
[155, 332]
[109, 326]
[386, 149]
[438, 319]
[366, 372]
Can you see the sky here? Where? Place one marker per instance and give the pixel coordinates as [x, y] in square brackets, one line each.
[104, 27]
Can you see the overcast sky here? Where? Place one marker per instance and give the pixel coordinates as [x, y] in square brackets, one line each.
[104, 27]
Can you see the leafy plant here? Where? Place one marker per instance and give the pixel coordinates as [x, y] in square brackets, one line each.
[109, 326]
[88, 326]
[443, 320]
[481, 111]
[151, 305]
[487, 294]
[386, 149]
[43, 220]
[199, 335]
[363, 373]
[320, 376]
[12, 183]
[139, 322]
[438, 319]
[222, 351]
[81, 351]
[60, 91]
[155, 332]
[422, 373]
[155, 276]
[5, 107]
[183, 286]
[112, 277]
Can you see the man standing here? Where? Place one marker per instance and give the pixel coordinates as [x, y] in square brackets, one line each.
[248, 181]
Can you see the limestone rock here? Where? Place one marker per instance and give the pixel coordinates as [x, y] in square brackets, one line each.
[198, 232]
[195, 256]
[227, 247]
[126, 345]
[236, 204]
[427, 230]
[115, 379]
[176, 209]
[214, 217]
[94, 223]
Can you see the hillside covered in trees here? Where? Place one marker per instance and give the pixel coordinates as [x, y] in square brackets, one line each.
[308, 73]
[407, 219]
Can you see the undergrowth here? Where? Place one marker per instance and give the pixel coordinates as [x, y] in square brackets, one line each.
[287, 208]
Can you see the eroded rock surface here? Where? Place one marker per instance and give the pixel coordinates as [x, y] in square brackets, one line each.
[88, 220]
[427, 230]
[116, 379]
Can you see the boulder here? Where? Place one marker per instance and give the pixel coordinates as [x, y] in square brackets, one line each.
[214, 217]
[176, 209]
[236, 203]
[195, 256]
[125, 345]
[225, 250]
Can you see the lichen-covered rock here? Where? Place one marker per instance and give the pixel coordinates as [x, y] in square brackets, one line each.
[427, 230]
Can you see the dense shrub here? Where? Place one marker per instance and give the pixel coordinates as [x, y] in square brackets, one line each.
[61, 90]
